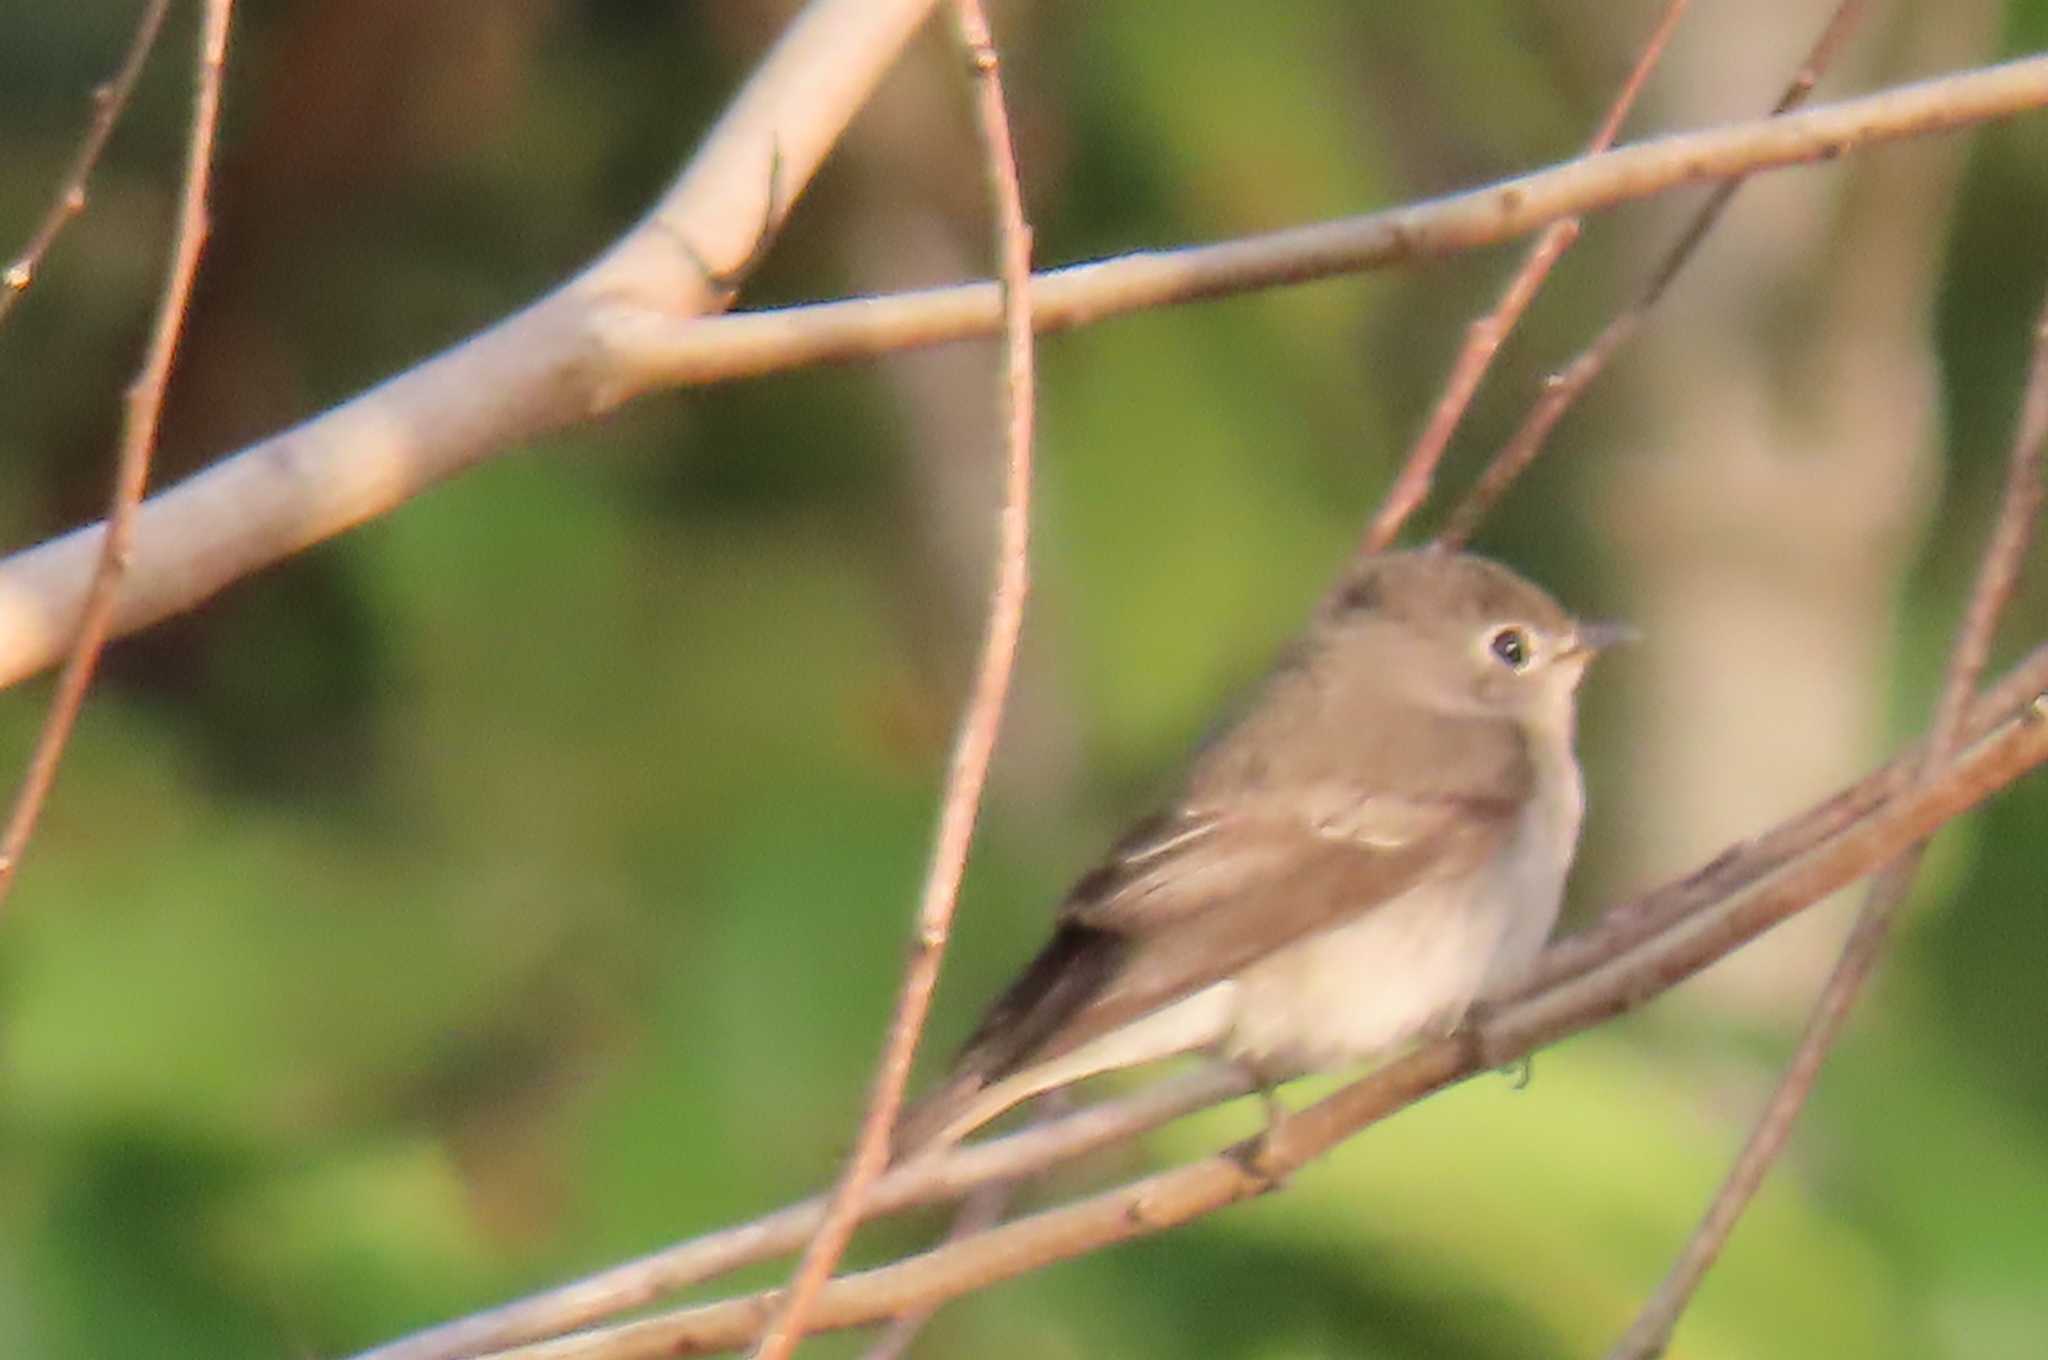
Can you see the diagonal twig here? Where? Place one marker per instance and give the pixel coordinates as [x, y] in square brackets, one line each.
[1564, 387]
[752, 344]
[979, 725]
[958, 1171]
[1484, 336]
[109, 101]
[143, 404]
[980, 1211]
[1998, 577]
[1747, 861]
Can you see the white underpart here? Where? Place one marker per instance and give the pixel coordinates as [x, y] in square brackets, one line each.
[1408, 967]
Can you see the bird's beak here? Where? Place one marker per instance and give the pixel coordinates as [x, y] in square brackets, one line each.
[1597, 635]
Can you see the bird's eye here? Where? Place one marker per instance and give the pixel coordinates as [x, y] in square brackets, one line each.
[1511, 646]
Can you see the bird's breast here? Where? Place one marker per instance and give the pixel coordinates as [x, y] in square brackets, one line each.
[1409, 966]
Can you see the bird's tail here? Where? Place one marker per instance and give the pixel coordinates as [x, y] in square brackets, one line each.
[1026, 1022]
[927, 1124]
[969, 1098]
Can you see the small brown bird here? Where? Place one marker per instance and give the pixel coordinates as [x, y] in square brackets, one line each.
[1380, 839]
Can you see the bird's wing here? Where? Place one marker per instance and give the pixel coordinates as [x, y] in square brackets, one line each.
[1202, 897]
[1192, 897]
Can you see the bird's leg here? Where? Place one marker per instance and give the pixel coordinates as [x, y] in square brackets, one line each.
[1519, 1071]
[1269, 1098]
[1265, 1082]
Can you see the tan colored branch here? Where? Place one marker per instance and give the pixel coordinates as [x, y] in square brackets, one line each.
[547, 366]
[624, 326]
[1623, 981]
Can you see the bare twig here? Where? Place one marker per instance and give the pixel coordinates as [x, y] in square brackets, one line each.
[2004, 555]
[1997, 577]
[978, 727]
[1622, 982]
[109, 101]
[928, 1180]
[756, 343]
[143, 404]
[1563, 388]
[1744, 863]
[981, 1211]
[622, 328]
[1483, 338]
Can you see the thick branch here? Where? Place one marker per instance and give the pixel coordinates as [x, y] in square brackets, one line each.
[621, 329]
[544, 367]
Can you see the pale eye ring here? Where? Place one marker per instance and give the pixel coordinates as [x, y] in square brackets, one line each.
[1511, 647]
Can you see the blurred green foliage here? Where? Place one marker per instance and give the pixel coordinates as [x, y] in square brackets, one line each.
[520, 883]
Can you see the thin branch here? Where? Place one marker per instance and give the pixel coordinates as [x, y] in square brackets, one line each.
[1563, 388]
[109, 101]
[981, 1211]
[143, 404]
[2005, 554]
[978, 727]
[1833, 38]
[928, 1180]
[620, 329]
[1484, 336]
[1655, 912]
[757, 343]
[1997, 578]
[1167, 1199]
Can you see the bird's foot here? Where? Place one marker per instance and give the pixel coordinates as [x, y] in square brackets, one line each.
[1256, 1154]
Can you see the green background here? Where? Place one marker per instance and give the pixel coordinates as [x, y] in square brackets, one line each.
[520, 882]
